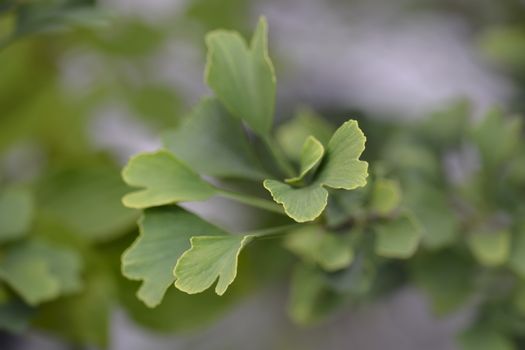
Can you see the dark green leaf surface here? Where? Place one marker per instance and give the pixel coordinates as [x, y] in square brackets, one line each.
[213, 143]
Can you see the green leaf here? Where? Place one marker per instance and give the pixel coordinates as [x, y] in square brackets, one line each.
[165, 180]
[497, 138]
[311, 156]
[490, 248]
[41, 272]
[517, 255]
[398, 238]
[86, 199]
[446, 277]
[165, 234]
[86, 314]
[301, 204]
[485, 338]
[341, 169]
[242, 77]
[310, 299]
[16, 213]
[214, 143]
[292, 134]
[330, 251]
[15, 316]
[386, 196]
[431, 208]
[209, 258]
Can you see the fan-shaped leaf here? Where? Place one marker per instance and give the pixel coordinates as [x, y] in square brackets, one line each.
[165, 234]
[398, 238]
[40, 272]
[165, 180]
[209, 258]
[341, 168]
[242, 77]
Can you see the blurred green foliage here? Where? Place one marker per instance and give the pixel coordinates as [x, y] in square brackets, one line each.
[63, 228]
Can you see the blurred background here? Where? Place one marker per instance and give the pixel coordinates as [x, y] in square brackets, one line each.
[82, 91]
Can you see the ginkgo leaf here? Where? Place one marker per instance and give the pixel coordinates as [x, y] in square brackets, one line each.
[386, 196]
[311, 156]
[490, 248]
[398, 238]
[212, 142]
[86, 199]
[242, 77]
[165, 234]
[330, 251]
[311, 297]
[431, 208]
[16, 213]
[340, 169]
[301, 204]
[41, 272]
[209, 258]
[292, 134]
[164, 179]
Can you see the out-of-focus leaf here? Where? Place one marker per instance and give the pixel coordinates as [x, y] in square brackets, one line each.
[158, 104]
[218, 13]
[209, 258]
[331, 252]
[87, 200]
[397, 238]
[213, 143]
[506, 46]
[490, 248]
[52, 16]
[292, 135]
[431, 208]
[341, 169]
[310, 299]
[446, 277]
[517, 255]
[497, 137]
[82, 318]
[16, 213]
[15, 316]
[386, 196]
[242, 77]
[341, 204]
[165, 180]
[446, 128]
[484, 338]
[41, 272]
[165, 235]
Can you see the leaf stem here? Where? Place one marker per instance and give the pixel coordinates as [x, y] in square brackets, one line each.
[279, 157]
[272, 231]
[252, 201]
